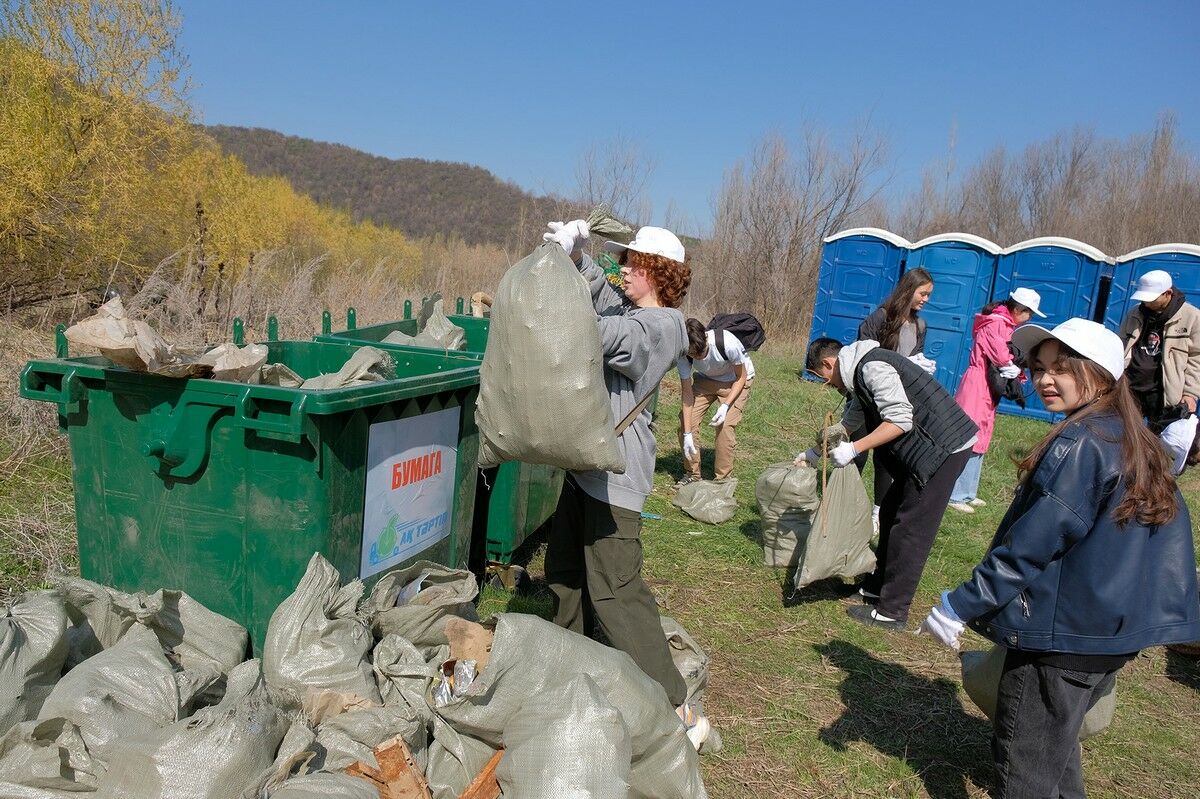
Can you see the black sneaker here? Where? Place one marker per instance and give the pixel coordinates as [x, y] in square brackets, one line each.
[867, 597]
[686, 480]
[865, 614]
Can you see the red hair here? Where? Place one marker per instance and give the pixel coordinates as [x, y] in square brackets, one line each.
[670, 278]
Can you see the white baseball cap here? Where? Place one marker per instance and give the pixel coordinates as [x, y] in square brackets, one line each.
[652, 241]
[1090, 339]
[1029, 298]
[1152, 285]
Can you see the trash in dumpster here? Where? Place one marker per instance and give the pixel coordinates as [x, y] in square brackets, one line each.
[434, 330]
[366, 365]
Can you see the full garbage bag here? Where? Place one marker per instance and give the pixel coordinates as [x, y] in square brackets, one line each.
[567, 741]
[839, 543]
[124, 341]
[415, 602]
[316, 653]
[787, 496]
[353, 736]
[100, 616]
[33, 650]
[709, 501]
[126, 690]
[234, 363]
[542, 393]
[366, 365]
[454, 760]
[434, 329]
[46, 760]
[216, 754]
[981, 672]
[403, 674]
[323, 785]
[531, 656]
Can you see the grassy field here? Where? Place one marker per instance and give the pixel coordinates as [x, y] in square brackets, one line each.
[809, 703]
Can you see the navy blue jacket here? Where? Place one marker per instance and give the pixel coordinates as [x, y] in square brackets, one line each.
[1063, 576]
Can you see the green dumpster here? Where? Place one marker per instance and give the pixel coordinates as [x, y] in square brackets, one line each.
[225, 490]
[520, 497]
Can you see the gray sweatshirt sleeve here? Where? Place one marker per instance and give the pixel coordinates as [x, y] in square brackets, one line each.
[626, 343]
[605, 297]
[884, 386]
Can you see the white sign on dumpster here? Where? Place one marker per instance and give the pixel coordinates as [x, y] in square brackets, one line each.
[411, 466]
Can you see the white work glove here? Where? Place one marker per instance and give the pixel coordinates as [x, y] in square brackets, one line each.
[690, 450]
[927, 364]
[719, 416]
[943, 624]
[569, 235]
[1009, 372]
[808, 456]
[843, 454]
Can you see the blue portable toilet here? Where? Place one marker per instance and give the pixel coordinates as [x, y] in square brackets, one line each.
[1066, 273]
[963, 267]
[1182, 261]
[859, 267]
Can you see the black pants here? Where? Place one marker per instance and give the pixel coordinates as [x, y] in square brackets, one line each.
[909, 517]
[1035, 743]
[594, 567]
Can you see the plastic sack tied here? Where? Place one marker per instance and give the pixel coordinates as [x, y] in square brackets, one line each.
[434, 329]
[787, 497]
[216, 754]
[981, 672]
[33, 649]
[46, 760]
[839, 543]
[315, 656]
[707, 501]
[542, 394]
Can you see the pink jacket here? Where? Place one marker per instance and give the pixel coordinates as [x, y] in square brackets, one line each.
[992, 334]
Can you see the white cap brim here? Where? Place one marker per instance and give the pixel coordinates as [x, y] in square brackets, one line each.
[1143, 296]
[1026, 337]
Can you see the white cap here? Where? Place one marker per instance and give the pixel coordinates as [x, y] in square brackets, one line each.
[652, 241]
[1029, 298]
[1152, 285]
[1090, 339]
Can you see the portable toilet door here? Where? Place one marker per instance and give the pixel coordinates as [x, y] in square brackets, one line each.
[1066, 273]
[859, 267]
[963, 267]
[1181, 261]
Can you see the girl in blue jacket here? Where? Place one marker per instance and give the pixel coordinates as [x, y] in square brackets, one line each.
[1093, 562]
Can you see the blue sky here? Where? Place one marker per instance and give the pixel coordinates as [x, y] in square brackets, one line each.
[523, 88]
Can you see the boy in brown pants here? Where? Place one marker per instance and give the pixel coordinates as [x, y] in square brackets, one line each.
[712, 373]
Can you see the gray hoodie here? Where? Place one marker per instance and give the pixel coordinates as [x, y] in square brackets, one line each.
[640, 346]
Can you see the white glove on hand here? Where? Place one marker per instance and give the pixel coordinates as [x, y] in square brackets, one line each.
[927, 364]
[843, 454]
[569, 235]
[808, 456]
[719, 417]
[690, 450]
[943, 624]
[1011, 371]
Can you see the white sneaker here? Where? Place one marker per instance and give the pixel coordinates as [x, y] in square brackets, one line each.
[962, 507]
[977, 503]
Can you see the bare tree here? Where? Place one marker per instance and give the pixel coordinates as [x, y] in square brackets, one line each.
[616, 172]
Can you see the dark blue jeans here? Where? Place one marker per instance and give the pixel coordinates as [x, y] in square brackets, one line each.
[1035, 743]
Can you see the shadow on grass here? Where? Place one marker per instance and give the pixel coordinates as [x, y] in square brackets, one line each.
[909, 717]
[1183, 669]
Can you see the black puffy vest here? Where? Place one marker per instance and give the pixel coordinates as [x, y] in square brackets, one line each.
[939, 426]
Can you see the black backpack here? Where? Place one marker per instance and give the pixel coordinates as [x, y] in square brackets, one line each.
[745, 326]
[1006, 388]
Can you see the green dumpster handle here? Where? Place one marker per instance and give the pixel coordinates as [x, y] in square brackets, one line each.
[64, 389]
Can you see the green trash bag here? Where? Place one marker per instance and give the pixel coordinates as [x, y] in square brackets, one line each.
[707, 501]
[981, 673]
[839, 543]
[787, 496]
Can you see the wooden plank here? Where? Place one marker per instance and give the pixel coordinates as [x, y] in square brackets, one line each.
[485, 786]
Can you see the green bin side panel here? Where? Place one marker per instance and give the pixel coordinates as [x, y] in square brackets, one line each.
[238, 534]
[476, 330]
[522, 500]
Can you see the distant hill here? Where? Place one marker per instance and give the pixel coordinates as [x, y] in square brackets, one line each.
[421, 198]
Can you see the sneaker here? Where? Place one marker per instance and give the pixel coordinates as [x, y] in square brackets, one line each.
[696, 726]
[977, 503]
[686, 480]
[865, 614]
[867, 597]
[962, 507]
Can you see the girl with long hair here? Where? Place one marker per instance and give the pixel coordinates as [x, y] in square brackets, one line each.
[992, 333]
[1093, 562]
[896, 325]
